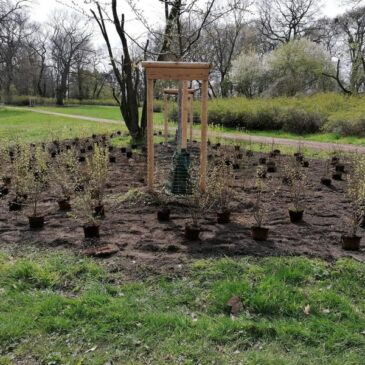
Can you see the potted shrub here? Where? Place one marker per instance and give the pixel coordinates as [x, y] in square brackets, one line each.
[20, 167]
[356, 193]
[97, 174]
[36, 182]
[161, 199]
[6, 156]
[326, 179]
[65, 174]
[220, 190]
[297, 192]
[84, 211]
[258, 232]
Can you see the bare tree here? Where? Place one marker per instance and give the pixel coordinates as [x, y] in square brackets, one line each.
[68, 42]
[284, 20]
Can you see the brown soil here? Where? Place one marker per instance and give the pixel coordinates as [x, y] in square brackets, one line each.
[146, 245]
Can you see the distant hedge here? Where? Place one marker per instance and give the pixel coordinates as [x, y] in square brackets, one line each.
[328, 112]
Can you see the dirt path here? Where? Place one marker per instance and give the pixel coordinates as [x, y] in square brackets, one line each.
[240, 137]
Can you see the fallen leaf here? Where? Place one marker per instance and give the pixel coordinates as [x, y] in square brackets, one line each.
[307, 310]
[235, 305]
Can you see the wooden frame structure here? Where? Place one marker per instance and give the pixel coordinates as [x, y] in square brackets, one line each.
[175, 92]
[185, 72]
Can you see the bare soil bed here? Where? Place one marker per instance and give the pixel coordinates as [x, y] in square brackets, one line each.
[142, 244]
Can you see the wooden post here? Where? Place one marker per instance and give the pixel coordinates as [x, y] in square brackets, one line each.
[191, 119]
[166, 116]
[204, 137]
[150, 146]
[184, 114]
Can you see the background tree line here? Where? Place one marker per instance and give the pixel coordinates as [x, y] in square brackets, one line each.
[257, 48]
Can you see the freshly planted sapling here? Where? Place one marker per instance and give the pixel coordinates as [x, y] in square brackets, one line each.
[36, 182]
[259, 233]
[220, 182]
[97, 172]
[66, 176]
[298, 184]
[356, 193]
[20, 170]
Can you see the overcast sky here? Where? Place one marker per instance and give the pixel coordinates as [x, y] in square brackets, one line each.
[41, 10]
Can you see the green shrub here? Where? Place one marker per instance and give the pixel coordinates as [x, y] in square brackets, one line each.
[300, 121]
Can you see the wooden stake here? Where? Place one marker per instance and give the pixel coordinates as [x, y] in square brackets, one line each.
[184, 114]
[150, 146]
[204, 137]
[166, 116]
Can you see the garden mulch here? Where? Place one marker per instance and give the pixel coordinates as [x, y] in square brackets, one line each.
[141, 244]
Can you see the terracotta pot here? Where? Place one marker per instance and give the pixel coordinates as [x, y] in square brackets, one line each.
[259, 233]
[163, 215]
[36, 222]
[15, 206]
[351, 243]
[192, 232]
[91, 231]
[64, 205]
[340, 167]
[326, 181]
[224, 217]
[296, 216]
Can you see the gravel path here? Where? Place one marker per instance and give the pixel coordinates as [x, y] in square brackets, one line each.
[241, 137]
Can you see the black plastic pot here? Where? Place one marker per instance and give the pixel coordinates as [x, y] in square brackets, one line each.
[271, 169]
[192, 232]
[4, 190]
[7, 180]
[15, 206]
[163, 215]
[337, 176]
[262, 160]
[82, 150]
[236, 166]
[112, 159]
[296, 216]
[89, 148]
[326, 181]
[351, 243]
[277, 152]
[224, 217]
[129, 154]
[91, 231]
[249, 153]
[259, 233]
[110, 148]
[64, 205]
[340, 167]
[123, 150]
[82, 159]
[237, 148]
[36, 222]
[305, 163]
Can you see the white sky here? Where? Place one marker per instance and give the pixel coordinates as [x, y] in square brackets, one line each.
[42, 10]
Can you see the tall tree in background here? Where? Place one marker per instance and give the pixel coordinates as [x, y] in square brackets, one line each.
[69, 40]
[282, 21]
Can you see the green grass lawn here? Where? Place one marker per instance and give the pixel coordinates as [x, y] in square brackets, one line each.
[62, 309]
[32, 127]
[108, 112]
